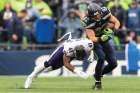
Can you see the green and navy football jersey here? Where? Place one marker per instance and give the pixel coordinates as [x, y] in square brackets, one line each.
[97, 26]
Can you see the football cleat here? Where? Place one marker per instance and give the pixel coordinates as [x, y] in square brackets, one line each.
[97, 86]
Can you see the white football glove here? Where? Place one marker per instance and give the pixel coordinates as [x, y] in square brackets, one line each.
[81, 73]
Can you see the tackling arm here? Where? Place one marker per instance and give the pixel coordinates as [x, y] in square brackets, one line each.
[72, 68]
[67, 64]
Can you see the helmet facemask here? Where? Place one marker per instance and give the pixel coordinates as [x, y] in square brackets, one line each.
[94, 12]
[80, 53]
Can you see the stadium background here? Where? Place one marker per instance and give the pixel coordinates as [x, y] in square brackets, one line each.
[29, 30]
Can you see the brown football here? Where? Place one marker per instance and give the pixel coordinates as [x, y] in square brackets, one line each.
[110, 25]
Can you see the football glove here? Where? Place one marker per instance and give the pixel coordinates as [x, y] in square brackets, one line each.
[104, 38]
[108, 31]
[81, 73]
[107, 35]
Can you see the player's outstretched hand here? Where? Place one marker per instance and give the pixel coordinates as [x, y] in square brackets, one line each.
[81, 73]
[84, 75]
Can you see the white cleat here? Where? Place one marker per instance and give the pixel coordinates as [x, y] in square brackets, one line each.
[38, 69]
[28, 83]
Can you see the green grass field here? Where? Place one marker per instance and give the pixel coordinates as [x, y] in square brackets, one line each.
[13, 84]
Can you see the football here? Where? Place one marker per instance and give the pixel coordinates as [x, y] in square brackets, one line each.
[110, 25]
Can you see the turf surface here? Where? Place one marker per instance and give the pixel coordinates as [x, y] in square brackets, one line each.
[12, 84]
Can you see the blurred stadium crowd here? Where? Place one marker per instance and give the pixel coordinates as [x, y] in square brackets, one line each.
[25, 23]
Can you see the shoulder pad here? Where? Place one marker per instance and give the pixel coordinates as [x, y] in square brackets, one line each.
[105, 12]
[86, 22]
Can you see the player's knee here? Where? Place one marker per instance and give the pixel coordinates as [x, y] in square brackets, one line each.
[113, 64]
[101, 58]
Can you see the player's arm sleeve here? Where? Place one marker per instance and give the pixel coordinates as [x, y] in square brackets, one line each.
[106, 13]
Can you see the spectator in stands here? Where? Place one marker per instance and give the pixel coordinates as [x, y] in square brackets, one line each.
[10, 22]
[6, 13]
[71, 23]
[82, 5]
[119, 12]
[138, 42]
[132, 36]
[133, 17]
[57, 6]
[27, 25]
[65, 5]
